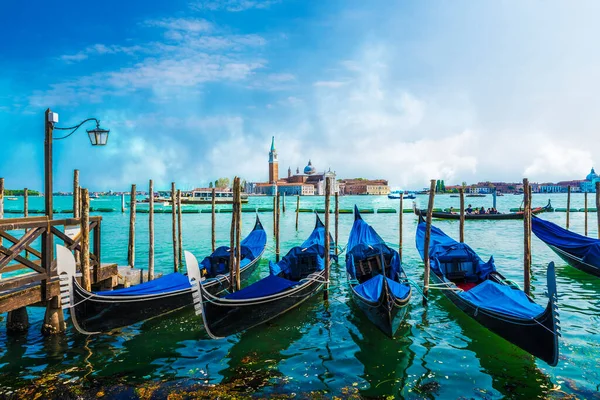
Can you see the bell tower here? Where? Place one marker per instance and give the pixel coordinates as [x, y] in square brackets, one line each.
[273, 163]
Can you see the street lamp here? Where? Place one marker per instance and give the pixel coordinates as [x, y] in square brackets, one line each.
[98, 137]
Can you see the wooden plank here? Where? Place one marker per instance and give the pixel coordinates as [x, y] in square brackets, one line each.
[24, 261]
[27, 296]
[17, 248]
[13, 239]
[21, 280]
[11, 224]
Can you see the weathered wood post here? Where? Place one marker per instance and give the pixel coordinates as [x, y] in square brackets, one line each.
[283, 203]
[275, 211]
[213, 221]
[598, 206]
[232, 244]
[327, 244]
[568, 204]
[76, 195]
[131, 247]
[585, 214]
[151, 230]
[337, 225]
[297, 210]
[238, 234]
[86, 280]
[1, 204]
[526, 236]
[400, 216]
[122, 202]
[26, 211]
[277, 215]
[174, 225]
[179, 234]
[426, 243]
[461, 226]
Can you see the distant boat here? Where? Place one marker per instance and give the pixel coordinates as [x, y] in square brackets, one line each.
[396, 195]
[476, 195]
[454, 195]
[11, 198]
[456, 215]
[94, 196]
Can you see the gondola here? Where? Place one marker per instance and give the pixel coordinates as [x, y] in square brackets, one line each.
[578, 251]
[478, 289]
[291, 281]
[378, 282]
[456, 215]
[104, 311]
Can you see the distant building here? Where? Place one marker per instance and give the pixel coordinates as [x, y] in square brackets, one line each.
[589, 184]
[364, 186]
[308, 183]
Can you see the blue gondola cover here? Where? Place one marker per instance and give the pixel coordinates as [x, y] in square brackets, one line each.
[164, 284]
[503, 299]
[442, 247]
[371, 289]
[585, 248]
[265, 287]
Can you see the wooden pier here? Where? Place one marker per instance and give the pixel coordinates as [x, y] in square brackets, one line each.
[37, 283]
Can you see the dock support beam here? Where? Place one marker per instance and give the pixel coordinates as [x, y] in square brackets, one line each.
[54, 320]
[17, 321]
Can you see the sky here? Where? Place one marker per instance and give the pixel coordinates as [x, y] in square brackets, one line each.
[400, 90]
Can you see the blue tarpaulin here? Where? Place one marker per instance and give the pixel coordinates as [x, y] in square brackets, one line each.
[443, 247]
[251, 247]
[371, 289]
[265, 287]
[164, 284]
[364, 242]
[583, 247]
[503, 299]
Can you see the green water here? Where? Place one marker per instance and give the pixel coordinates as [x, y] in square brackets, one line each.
[331, 348]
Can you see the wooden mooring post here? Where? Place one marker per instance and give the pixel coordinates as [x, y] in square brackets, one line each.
[131, 246]
[277, 217]
[179, 234]
[426, 242]
[400, 217]
[283, 203]
[336, 221]
[122, 203]
[26, 211]
[461, 226]
[213, 221]
[568, 204]
[327, 244]
[232, 237]
[150, 230]
[526, 238]
[76, 195]
[86, 280]
[1, 205]
[275, 212]
[174, 225]
[585, 214]
[297, 210]
[238, 233]
[598, 206]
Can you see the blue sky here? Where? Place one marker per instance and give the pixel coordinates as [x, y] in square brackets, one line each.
[402, 90]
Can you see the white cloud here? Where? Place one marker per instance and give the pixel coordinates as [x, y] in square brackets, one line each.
[232, 5]
[181, 24]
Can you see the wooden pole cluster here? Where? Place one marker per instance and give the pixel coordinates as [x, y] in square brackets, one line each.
[131, 247]
[462, 215]
[213, 220]
[337, 222]
[235, 237]
[327, 244]
[297, 210]
[526, 237]
[151, 230]
[86, 281]
[174, 221]
[179, 234]
[400, 227]
[568, 204]
[427, 239]
[277, 218]
[585, 214]
[598, 206]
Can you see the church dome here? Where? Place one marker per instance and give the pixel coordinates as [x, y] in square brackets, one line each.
[591, 176]
[309, 169]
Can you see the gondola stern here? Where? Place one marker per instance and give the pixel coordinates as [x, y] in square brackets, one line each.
[258, 225]
[552, 310]
[195, 279]
[357, 215]
[67, 272]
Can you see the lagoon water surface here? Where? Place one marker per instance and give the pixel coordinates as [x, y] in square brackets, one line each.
[325, 349]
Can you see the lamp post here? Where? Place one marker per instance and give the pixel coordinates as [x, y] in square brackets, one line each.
[98, 137]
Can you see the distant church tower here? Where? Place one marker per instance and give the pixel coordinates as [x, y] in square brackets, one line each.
[273, 163]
